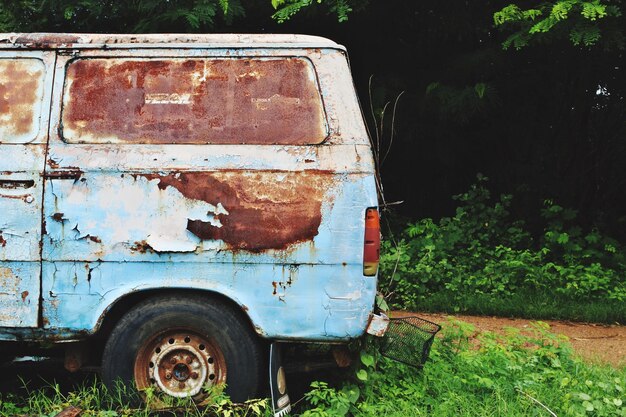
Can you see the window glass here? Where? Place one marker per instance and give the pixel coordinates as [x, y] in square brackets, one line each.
[189, 100]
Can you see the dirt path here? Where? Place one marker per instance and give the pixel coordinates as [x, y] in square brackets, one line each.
[593, 342]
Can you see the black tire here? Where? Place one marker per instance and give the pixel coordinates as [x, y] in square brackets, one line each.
[208, 334]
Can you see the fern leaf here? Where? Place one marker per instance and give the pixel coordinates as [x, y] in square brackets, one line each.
[224, 6]
[593, 10]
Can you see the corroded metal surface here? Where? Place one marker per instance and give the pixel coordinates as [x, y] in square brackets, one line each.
[21, 94]
[19, 287]
[254, 211]
[45, 40]
[25, 89]
[150, 215]
[378, 325]
[182, 40]
[70, 411]
[275, 225]
[180, 363]
[20, 233]
[249, 101]
[276, 228]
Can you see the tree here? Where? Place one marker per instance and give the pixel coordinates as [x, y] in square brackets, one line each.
[138, 16]
[587, 23]
[544, 117]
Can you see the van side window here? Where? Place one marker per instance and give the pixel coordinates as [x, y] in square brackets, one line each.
[21, 96]
[193, 101]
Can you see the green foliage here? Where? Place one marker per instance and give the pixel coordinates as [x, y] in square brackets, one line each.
[583, 22]
[482, 251]
[286, 9]
[327, 401]
[94, 400]
[112, 16]
[491, 374]
[468, 373]
[461, 104]
[143, 16]
[530, 305]
[330, 402]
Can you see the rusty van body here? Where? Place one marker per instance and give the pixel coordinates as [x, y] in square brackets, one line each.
[137, 172]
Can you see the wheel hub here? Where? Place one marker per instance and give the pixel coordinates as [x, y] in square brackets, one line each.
[181, 372]
[179, 363]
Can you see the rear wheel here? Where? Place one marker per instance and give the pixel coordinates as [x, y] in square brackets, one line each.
[180, 345]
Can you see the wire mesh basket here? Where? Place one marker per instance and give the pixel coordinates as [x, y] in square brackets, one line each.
[408, 340]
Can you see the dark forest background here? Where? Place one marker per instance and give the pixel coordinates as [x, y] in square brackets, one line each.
[540, 112]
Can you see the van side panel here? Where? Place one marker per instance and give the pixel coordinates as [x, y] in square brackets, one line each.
[305, 289]
[25, 89]
[277, 228]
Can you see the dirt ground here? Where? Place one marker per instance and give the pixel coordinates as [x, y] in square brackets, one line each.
[593, 342]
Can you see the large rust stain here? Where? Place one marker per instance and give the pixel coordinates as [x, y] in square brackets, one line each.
[20, 80]
[266, 210]
[237, 100]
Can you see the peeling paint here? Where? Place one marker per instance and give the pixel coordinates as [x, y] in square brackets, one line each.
[264, 210]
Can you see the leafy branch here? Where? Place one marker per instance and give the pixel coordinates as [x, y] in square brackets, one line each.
[584, 23]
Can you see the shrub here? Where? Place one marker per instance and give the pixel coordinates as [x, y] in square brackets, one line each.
[482, 250]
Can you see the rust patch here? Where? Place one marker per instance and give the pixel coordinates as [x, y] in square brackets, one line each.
[3, 241]
[35, 40]
[342, 356]
[15, 184]
[66, 173]
[95, 239]
[261, 210]
[20, 83]
[141, 247]
[70, 411]
[283, 285]
[25, 198]
[58, 217]
[53, 164]
[237, 100]
[24, 296]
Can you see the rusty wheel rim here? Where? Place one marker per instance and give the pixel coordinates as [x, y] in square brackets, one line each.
[179, 363]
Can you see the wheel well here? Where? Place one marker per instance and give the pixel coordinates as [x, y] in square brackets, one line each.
[121, 306]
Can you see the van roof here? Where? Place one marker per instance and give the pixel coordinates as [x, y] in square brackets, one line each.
[178, 40]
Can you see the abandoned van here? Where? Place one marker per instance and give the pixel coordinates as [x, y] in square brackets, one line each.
[183, 202]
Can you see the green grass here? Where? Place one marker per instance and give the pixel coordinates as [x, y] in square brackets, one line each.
[538, 306]
[93, 399]
[515, 374]
[511, 375]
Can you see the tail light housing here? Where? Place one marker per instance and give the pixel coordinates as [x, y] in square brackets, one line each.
[371, 245]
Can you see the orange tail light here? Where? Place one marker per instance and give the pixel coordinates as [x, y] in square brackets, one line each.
[371, 247]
